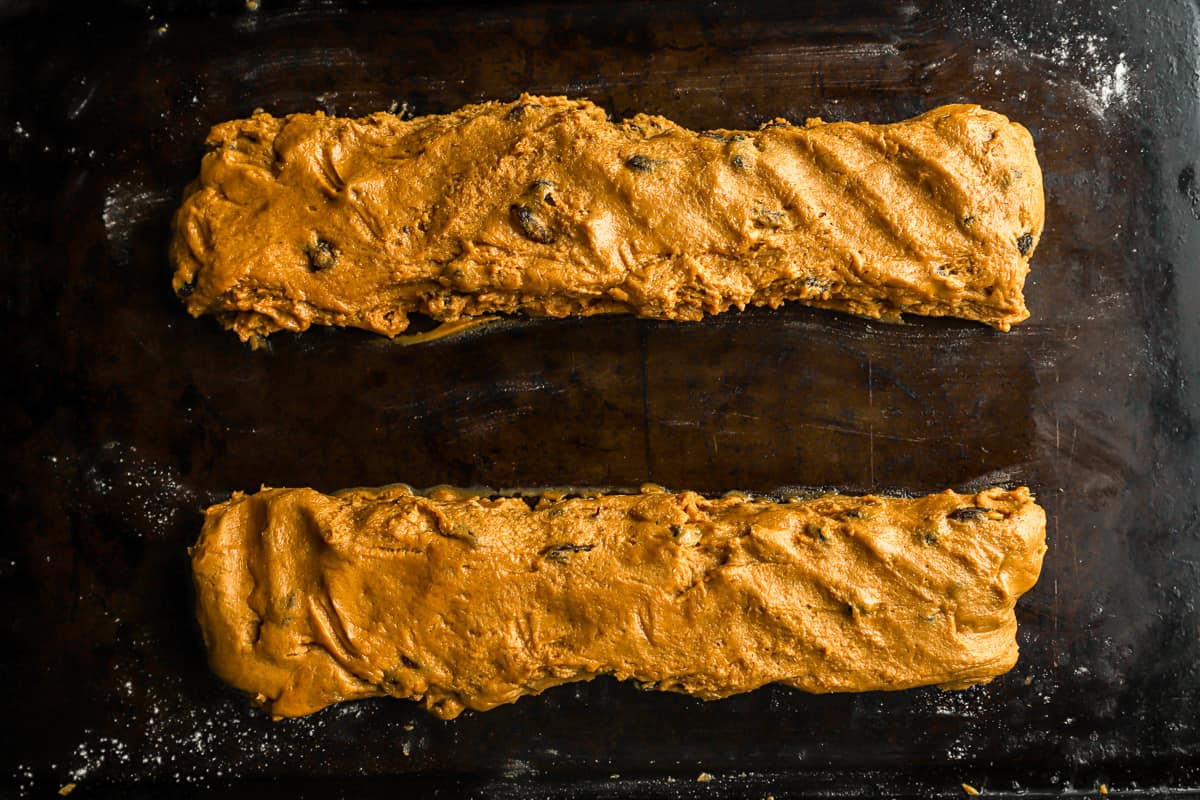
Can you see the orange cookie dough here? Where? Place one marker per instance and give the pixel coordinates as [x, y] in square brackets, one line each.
[544, 207]
[462, 601]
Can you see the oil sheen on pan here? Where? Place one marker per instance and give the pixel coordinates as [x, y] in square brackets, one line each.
[464, 601]
[544, 207]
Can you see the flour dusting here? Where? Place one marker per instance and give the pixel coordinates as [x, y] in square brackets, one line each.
[147, 495]
[1115, 88]
[1106, 83]
[157, 734]
[1081, 60]
[128, 208]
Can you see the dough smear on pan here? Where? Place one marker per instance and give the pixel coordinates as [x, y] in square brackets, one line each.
[460, 601]
[544, 207]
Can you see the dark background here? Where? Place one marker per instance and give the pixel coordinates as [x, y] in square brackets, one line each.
[122, 417]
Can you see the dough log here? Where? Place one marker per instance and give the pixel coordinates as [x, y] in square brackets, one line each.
[460, 601]
[544, 207]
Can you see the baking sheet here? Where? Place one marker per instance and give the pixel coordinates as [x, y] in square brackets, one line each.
[123, 417]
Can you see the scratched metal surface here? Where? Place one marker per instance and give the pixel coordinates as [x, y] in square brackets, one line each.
[122, 417]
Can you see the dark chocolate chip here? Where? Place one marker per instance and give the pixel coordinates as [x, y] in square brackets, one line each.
[322, 255]
[186, 289]
[641, 163]
[408, 662]
[967, 514]
[518, 111]
[814, 530]
[738, 162]
[1025, 243]
[968, 219]
[720, 137]
[529, 224]
[768, 218]
[559, 552]
[541, 189]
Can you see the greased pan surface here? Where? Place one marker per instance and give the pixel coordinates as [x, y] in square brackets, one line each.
[123, 416]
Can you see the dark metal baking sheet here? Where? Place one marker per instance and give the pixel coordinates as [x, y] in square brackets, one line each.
[122, 416]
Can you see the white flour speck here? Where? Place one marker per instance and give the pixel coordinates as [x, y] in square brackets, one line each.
[1114, 88]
